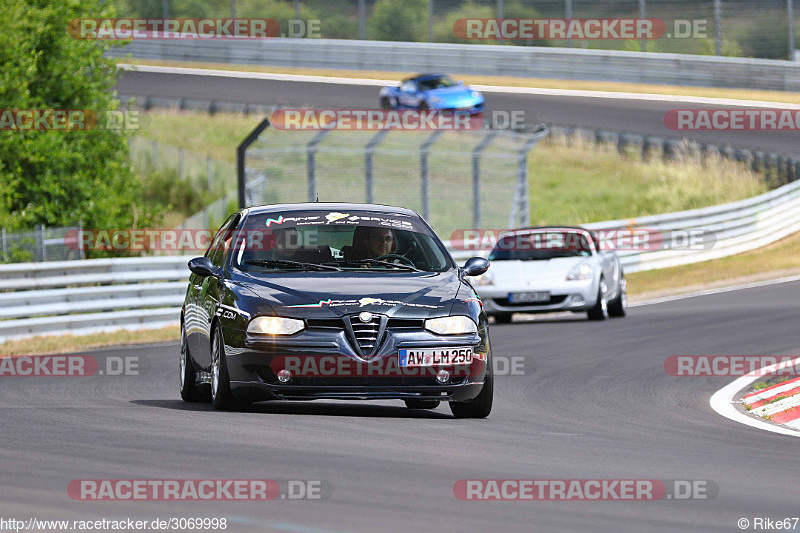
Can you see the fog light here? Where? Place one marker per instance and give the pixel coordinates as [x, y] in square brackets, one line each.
[577, 298]
[284, 376]
[443, 376]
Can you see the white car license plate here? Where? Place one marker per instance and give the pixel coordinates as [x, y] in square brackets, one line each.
[435, 356]
[522, 297]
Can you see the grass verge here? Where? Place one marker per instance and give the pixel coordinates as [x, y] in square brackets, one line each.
[73, 343]
[779, 259]
[506, 81]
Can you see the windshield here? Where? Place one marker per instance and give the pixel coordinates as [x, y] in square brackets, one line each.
[541, 246]
[324, 241]
[436, 83]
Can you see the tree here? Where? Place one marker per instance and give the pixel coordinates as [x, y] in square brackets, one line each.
[399, 20]
[61, 177]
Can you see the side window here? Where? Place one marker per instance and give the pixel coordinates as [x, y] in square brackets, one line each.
[222, 241]
[408, 87]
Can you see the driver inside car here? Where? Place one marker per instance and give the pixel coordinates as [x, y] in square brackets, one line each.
[370, 243]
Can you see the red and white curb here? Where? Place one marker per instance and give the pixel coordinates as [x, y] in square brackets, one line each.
[775, 409]
[779, 403]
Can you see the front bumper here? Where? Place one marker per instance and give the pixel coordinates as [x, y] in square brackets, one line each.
[253, 363]
[567, 296]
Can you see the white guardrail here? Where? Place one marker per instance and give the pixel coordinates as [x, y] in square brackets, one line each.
[519, 61]
[96, 295]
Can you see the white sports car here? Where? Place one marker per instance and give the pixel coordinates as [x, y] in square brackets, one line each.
[549, 269]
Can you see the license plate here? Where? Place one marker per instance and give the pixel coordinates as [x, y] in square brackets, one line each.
[435, 356]
[521, 297]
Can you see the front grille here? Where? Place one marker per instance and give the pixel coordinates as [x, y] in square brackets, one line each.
[405, 323]
[552, 301]
[366, 333]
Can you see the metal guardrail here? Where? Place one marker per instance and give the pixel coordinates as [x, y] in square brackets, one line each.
[128, 293]
[517, 61]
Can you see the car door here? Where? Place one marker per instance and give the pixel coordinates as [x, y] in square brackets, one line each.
[208, 291]
[408, 96]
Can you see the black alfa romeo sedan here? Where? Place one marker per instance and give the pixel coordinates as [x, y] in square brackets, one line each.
[334, 301]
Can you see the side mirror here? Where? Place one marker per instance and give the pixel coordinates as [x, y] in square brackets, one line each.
[475, 266]
[202, 266]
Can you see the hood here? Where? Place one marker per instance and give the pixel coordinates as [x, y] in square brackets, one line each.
[554, 270]
[457, 93]
[321, 294]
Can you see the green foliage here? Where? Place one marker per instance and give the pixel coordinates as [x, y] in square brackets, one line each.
[399, 20]
[60, 178]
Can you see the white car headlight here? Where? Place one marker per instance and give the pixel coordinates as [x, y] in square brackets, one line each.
[275, 325]
[451, 325]
[484, 279]
[580, 272]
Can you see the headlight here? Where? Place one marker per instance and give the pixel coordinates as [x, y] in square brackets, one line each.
[275, 325]
[580, 272]
[451, 325]
[476, 94]
[484, 279]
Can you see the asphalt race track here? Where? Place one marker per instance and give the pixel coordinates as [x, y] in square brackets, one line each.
[595, 403]
[633, 116]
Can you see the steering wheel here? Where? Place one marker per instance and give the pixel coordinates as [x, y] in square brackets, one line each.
[402, 259]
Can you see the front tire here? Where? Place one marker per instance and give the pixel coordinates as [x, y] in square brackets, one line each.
[221, 394]
[600, 309]
[188, 376]
[481, 405]
[422, 404]
[386, 103]
[619, 307]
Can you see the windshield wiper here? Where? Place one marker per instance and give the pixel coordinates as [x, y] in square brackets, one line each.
[284, 262]
[374, 262]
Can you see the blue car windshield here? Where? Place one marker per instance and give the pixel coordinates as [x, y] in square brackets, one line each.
[436, 83]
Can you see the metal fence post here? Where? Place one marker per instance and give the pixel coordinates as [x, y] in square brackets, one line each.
[209, 172]
[500, 10]
[790, 15]
[155, 154]
[81, 252]
[568, 15]
[430, 21]
[5, 252]
[369, 151]
[362, 20]
[311, 166]
[241, 160]
[39, 240]
[233, 9]
[165, 8]
[523, 208]
[181, 163]
[476, 178]
[718, 26]
[297, 9]
[423, 172]
[643, 15]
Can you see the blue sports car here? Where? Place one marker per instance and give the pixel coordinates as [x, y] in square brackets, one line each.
[432, 91]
